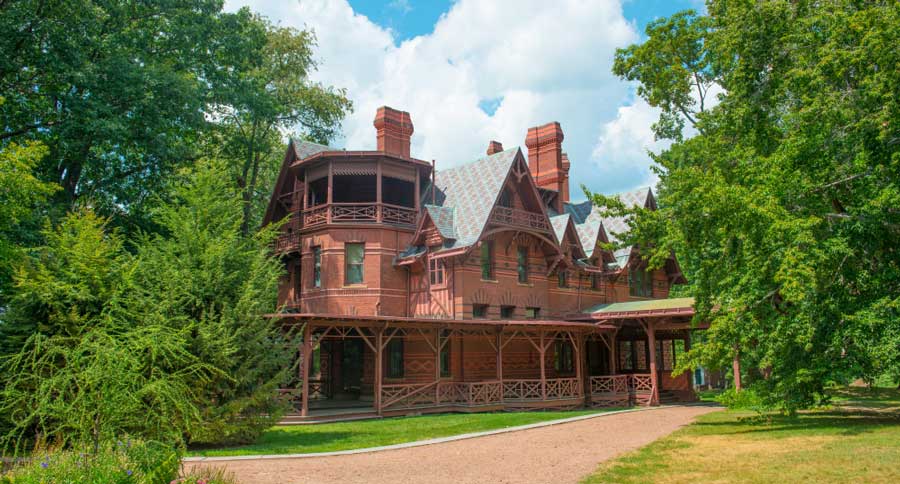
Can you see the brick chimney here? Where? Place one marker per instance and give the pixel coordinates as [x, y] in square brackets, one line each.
[393, 131]
[545, 160]
[494, 147]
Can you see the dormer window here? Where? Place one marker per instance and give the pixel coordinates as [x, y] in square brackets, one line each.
[640, 282]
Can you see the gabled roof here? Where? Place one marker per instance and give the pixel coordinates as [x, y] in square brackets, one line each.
[559, 223]
[589, 222]
[443, 220]
[300, 149]
[470, 191]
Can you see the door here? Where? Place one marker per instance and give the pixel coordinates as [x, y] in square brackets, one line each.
[351, 367]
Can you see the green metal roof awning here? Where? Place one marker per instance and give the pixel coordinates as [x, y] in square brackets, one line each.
[683, 306]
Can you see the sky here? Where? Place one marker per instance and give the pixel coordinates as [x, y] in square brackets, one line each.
[472, 71]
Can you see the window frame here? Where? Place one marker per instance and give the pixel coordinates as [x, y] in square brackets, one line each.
[640, 282]
[394, 361]
[484, 311]
[445, 362]
[487, 260]
[317, 266]
[504, 309]
[562, 278]
[564, 358]
[348, 263]
[522, 264]
[437, 272]
[532, 312]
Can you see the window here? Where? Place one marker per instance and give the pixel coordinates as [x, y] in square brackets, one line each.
[487, 260]
[563, 276]
[640, 354]
[626, 355]
[506, 312]
[505, 199]
[445, 353]
[297, 278]
[522, 259]
[595, 282]
[479, 311]
[395, 358]
[532, 313]
[436, 271]
[640, 283]
[564, 357]
[354, 255]
[317, 266]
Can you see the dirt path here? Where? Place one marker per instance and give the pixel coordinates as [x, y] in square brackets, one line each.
[556, 454]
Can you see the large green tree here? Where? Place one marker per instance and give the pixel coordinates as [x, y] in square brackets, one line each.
[123, 93]
[784, 207]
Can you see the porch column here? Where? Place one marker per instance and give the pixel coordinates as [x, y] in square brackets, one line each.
[498, 341]
[378, 210]
[379, 367]
[654, 375]
[542, 351]
[330, 195]
[579, 341]
[612, 354]
[307, 359]
[437, 365]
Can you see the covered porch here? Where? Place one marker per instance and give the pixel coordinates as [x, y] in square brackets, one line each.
[379, 366]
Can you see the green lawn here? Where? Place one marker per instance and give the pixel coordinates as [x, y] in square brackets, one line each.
[299, 439]
[856, 440]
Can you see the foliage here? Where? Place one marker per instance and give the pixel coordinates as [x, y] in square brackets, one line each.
[783, 208]
[86, 369]
[746, 399]
[20, 195]
[128, 462]
[125, 93]
[205, 279]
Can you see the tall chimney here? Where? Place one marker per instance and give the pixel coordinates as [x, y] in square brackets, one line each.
[564, 193]
[494, 147]
[393, 131]
[545, 159]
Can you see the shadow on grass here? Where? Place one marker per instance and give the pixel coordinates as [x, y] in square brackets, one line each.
[823, 422]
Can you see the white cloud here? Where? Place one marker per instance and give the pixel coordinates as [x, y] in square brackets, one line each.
[543, 61]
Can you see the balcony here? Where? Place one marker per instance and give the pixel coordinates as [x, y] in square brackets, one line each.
[336, 213]
[520, 218]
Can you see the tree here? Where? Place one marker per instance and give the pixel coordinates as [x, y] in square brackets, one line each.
[204, 277]
[125, 93]
[267, 96]
[21, 198]
[783, 209]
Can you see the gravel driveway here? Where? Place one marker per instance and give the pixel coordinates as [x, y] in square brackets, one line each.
[561, 453]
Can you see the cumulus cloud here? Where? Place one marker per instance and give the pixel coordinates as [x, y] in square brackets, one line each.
[529, 61]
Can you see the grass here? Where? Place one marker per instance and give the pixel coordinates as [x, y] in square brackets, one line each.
[855, 440]
[329, 437]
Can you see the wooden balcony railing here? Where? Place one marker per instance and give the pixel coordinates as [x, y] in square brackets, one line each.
[520, 218]
[535, 389]
[358, 212]
[287, 242]
[468, 394]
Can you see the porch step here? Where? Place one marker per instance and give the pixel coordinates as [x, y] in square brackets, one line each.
[667, 397]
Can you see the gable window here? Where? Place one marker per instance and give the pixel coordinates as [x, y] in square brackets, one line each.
[563, 276]
[564, 357]
[640, 283]
[522, 266]
[506, 312]
[487, 260]
[354, 256]
[436, 271]
[395, 358]
[595, 282]
[479, 311]
[445, 353]
[317, 266]
[505, 198]
[532, 313]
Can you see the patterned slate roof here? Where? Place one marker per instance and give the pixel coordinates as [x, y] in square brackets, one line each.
[443, 220]
[559, 223]
[588, 220]
[471, 190]
[305, 149]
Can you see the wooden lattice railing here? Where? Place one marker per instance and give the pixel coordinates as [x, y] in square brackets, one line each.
[520, 218]
[317, 389]
[641, 387]
[358, 212]
[609, 384]
[469, 393]
[393, 214]
[533, 389]
[407, 395]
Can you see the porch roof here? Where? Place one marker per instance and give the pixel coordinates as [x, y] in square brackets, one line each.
[682, 306]
[374, 320]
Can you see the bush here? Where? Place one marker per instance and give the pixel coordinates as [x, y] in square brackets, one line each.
[746, 399]
[131, 462]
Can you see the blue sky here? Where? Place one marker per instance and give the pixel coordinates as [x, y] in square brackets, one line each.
[411, 18]
[472, 71]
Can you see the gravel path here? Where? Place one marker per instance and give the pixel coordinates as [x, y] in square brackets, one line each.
[561, 453]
